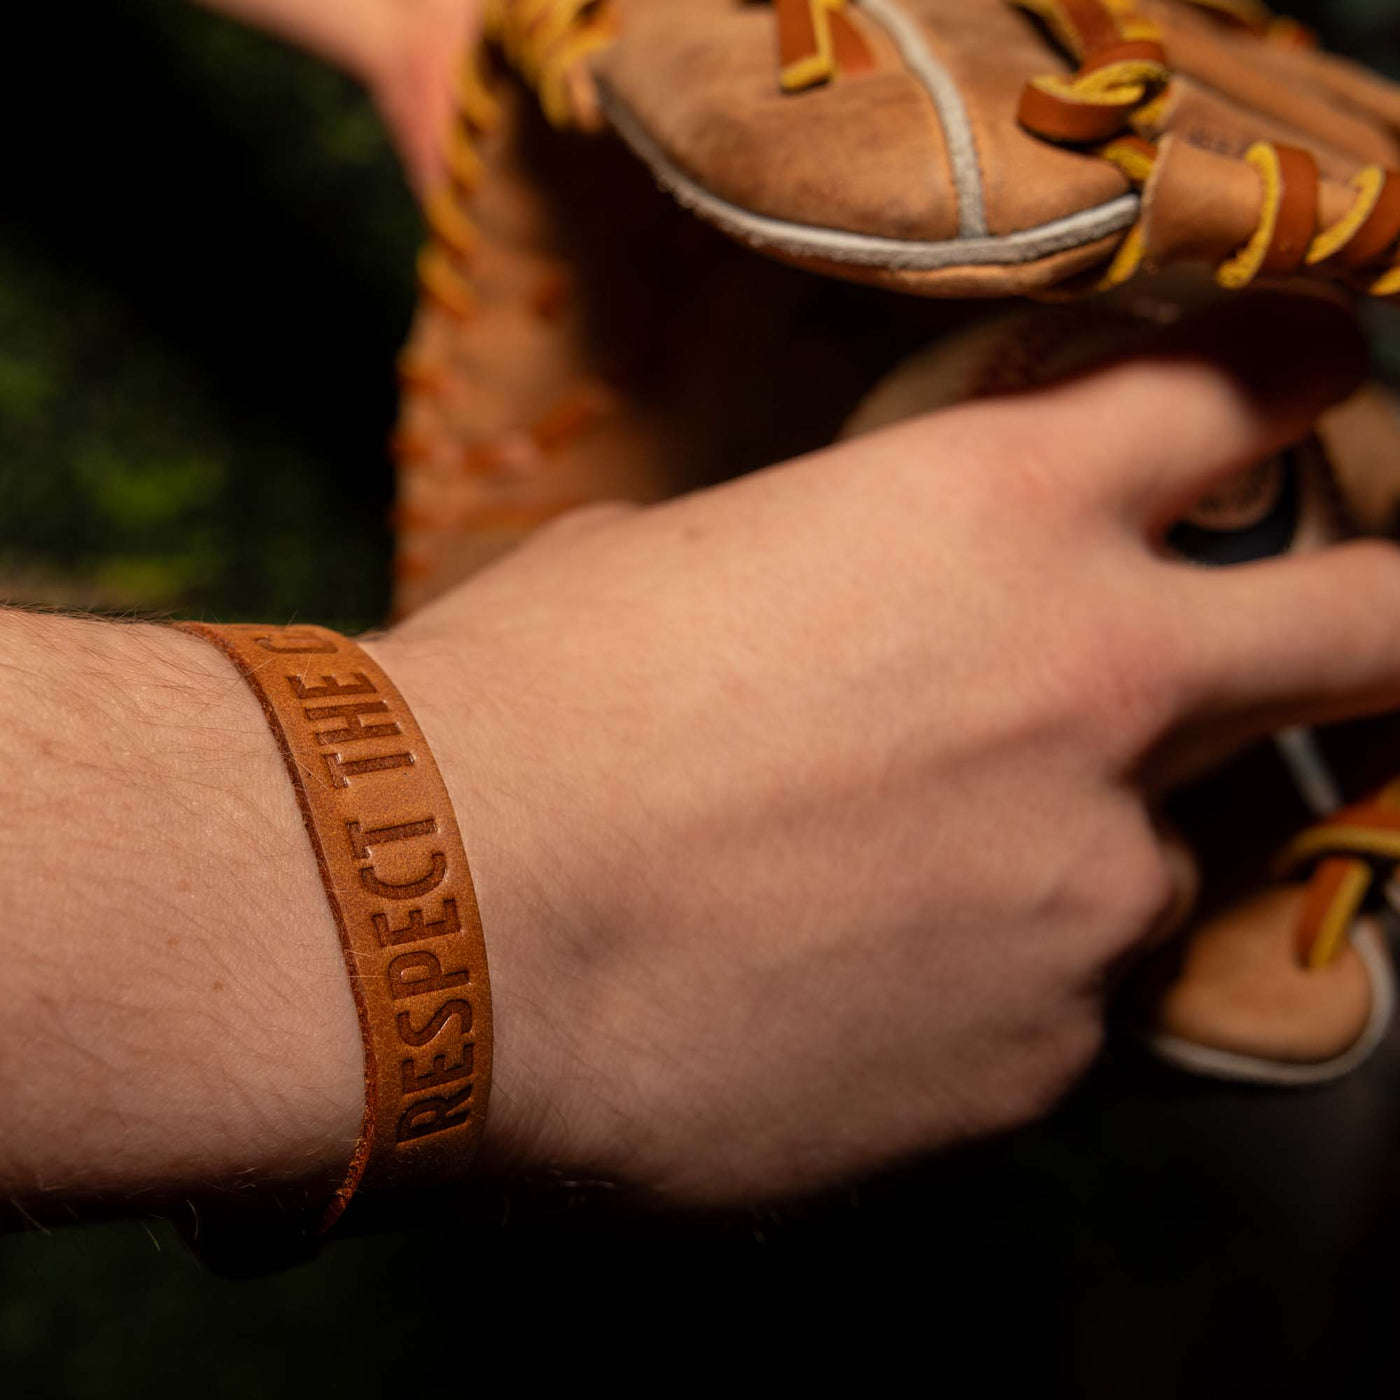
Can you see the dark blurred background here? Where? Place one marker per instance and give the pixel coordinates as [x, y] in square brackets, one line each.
[205, 271]
[206, 258]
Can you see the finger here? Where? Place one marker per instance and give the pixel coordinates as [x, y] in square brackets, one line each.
[1217, 393]
[1307, 639]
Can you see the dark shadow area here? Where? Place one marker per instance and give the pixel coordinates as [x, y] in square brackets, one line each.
[207, 269]
[1156, 1238]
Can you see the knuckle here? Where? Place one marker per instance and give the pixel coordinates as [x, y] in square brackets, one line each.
[1124, 886]
[1031, 463]
[1138, 889]
[1076, 1048]
[1124, 679]
[1063, 1055]
[1015, 464]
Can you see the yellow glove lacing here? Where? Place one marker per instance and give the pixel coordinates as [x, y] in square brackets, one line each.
[1347, 860]
[544, 40]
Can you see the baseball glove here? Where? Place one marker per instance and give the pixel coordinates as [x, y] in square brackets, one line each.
[593, 325]
[1019, 144]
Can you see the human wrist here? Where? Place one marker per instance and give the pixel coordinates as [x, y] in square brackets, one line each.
[443, 682]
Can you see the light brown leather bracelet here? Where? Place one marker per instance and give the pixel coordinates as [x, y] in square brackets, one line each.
[395, 872]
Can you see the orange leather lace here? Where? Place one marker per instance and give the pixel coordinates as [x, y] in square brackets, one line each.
[1347, 861]
[816, 41]
[545, 40]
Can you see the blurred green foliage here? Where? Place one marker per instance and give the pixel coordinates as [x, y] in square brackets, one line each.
[185, 275]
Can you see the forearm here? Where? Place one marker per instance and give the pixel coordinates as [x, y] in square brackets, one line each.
[174, 1012]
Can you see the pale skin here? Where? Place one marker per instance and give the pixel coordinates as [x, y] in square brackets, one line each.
[811, 817]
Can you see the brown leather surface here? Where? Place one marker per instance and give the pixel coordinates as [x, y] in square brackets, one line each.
[854, 56]
[1201, 206]
[609, 321]
[1297, 213]
[1213, 122]
[1243, 987]
[1080, 122]
[797, 31]
[1348, 86]
[390, 855]
[968, 280]
[1278, 83]
[867, 153]
[1146, 49]
[1092, 22]
[702, 78]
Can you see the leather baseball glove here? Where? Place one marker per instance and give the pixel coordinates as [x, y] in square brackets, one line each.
[685, 238]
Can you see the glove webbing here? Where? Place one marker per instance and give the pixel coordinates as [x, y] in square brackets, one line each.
[545, 39]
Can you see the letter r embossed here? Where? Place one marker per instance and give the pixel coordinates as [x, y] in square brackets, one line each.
[435, 1115]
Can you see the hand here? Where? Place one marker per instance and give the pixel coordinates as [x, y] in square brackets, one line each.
[405, 52]
[412, 78]
[811, 814]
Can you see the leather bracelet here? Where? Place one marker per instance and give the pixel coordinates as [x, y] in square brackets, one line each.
[391, 858]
